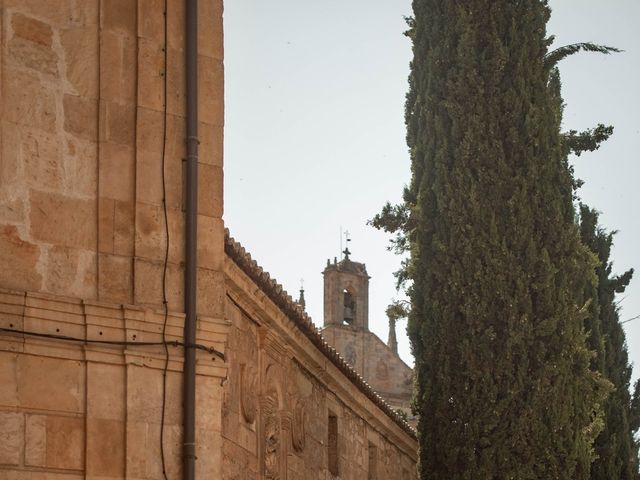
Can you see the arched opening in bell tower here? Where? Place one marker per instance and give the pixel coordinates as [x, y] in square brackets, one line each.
[349, 307]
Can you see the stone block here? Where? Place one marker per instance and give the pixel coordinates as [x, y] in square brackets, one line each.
[211, 144]
[120, 16]
[65, 442]
[27, 101]
[209, 453]
[150, 232]
[209, 404]
[71, 272]
[210, 242]
[149, 130]
[176, 82]
[176, 21]
[118, 59]
[210, 186]
[175, 164]
[150, 74]
[33, 56]
[117, 171]
[51, 384]
[81, 167]
[148, 282]
[123, 239]
[10, 166]
[42, 159]
[106, 403]
[173, 452]
[105, 448]
[151, 20]
[175, 288]
[149, 177]
[80, 47]
[115, 278]
[8, 380]
[177, 135]
[144, 395]
[56, 12]
[18, 260]
[210, 29]
[120, 123]
[136, 454]
[106, 225]
[31, 29]
[11, 209]
[35, 449]
[210, 90]
[63, 220]
[81, 116]
[176, 235]
[211, 293]
[11, 437]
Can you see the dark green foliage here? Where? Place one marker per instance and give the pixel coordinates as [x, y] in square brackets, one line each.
[617, 452]
[504, 388]
[552, 58]
[397, 309]
[588, 141]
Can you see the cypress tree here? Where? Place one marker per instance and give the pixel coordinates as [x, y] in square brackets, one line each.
[504, 388]
[615, 447]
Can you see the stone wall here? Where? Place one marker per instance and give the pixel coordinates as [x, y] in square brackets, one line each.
[376, 362]
[82, 117]
[281, 390]
[72, 411]
[82, 237]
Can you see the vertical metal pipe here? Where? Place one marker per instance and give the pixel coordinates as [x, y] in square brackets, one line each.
[191, 224]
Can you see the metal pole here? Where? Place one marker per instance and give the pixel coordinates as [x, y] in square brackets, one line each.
[191, 223]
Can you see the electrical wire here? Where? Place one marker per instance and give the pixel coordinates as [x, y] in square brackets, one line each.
[165, 369]
[121, 343]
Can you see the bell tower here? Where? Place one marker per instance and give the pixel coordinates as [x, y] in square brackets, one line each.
[346, 328]
[346, 294]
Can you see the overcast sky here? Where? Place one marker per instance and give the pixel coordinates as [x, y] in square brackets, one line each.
[314, 136]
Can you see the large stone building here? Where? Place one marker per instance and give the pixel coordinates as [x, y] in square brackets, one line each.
[346, 327]
[92, 265]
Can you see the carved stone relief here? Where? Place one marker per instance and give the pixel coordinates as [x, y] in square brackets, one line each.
[271, 411]
[248, 375]
[298, 420]
[248, 392]
[272, 444]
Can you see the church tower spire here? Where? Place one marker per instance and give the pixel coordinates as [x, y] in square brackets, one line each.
[301, 300]
[392, 342]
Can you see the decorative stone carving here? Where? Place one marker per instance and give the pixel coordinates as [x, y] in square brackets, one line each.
[272, 444]
[248, 394]
[298, 420]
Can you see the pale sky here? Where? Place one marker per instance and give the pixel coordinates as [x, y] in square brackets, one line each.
[314, 135]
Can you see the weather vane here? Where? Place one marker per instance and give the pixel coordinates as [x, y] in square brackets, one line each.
[346, 251]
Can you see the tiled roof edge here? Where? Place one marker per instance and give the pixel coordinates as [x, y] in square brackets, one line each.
[293, 311]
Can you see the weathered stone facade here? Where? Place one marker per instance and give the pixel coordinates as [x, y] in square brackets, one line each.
[82, 248]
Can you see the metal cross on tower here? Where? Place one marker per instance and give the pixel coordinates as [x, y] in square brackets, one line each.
[346, 251]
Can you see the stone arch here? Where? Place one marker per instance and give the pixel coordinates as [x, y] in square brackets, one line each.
[349, 296]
